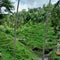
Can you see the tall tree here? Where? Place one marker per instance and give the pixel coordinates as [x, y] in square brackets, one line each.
[15, 32]
[7, 4]
[56, 18]
[46, 29]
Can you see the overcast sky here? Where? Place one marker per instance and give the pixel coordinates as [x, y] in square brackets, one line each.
[25, 4]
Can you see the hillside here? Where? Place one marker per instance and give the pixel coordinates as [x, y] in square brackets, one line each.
[32, 33]
[29, 41]
[7, 48]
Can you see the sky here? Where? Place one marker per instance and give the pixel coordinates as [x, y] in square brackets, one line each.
[25, 4]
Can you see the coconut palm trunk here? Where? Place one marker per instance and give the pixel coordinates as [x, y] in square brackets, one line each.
[46, 30]
[15, 32]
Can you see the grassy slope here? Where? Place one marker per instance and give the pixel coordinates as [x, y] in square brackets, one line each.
[6, 47]
[32, 34]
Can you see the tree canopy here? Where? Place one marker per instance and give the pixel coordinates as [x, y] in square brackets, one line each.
[7, 4]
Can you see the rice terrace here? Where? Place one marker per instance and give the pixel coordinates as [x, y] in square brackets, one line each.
[29, 29]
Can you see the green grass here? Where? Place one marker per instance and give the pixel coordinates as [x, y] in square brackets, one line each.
[7, 48]
[33, 35]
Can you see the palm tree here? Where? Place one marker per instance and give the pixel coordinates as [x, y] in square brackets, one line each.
[15, 28]
[7, 4]
[45, 30]
[58, 3]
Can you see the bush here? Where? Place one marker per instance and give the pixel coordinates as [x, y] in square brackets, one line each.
[7, 31]
[2, 28]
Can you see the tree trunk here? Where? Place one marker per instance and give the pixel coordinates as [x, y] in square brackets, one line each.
[46, 30]
[15, 28]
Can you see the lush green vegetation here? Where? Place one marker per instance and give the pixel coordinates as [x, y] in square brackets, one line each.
[7, 48]
[30, 32]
